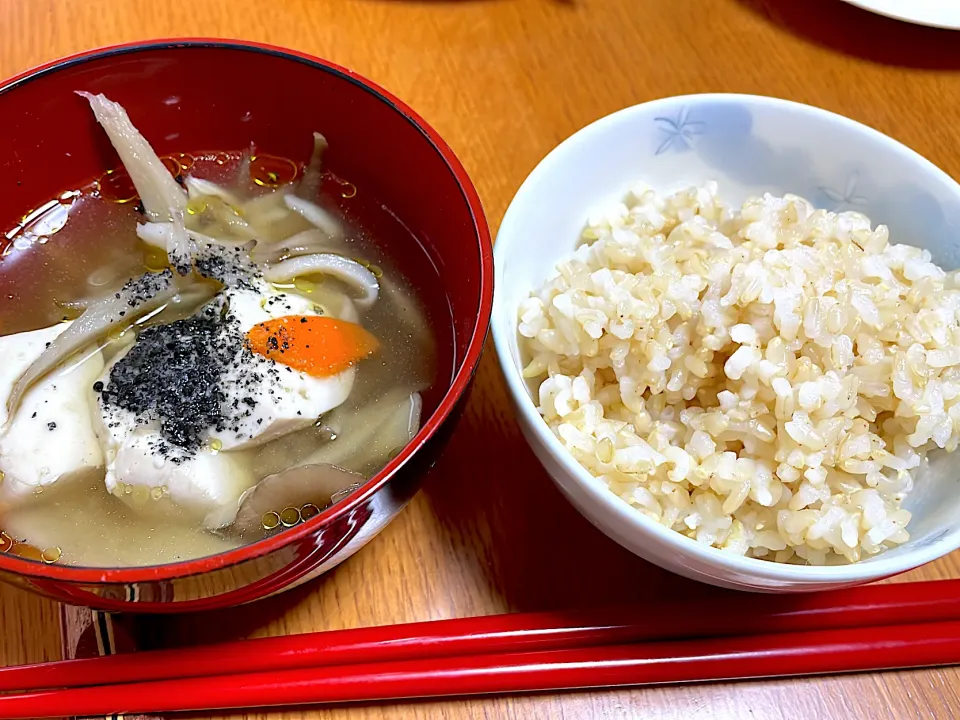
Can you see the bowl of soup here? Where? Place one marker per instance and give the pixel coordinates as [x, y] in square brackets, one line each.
[243, 293]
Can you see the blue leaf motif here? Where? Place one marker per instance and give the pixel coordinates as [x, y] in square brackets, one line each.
[847, 198]
[678, 132]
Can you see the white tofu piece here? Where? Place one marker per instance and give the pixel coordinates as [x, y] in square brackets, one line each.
[203, 487]
[50, 441]
[285, 401]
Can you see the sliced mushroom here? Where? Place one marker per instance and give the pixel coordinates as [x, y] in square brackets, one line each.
[367, 438]
[293, 488]
[158, 191]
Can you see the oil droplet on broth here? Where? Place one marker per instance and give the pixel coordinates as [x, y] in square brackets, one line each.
[185, 160]
[117, 186]
[272, 171]
[28, 552]
[38, 225]
[155, 259]
[141, 494]
[270, 521]
[309, 511]
[196, 206]
[6, 542]
[172, 165]
[51, 555]
[349, 189]
[289, 516]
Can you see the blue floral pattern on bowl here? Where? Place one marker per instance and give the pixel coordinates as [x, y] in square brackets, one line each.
[846, 199]
[679, 132]
[724, 135]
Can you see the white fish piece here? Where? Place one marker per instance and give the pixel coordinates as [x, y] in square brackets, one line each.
[49, 440]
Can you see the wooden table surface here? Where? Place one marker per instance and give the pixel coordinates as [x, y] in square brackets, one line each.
[504, 81]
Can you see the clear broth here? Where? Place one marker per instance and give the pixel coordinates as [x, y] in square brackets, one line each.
[93, 249]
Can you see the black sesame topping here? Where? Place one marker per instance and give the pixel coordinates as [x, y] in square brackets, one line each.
[140, 289]
[233, 269]
[51, 426]
[98, 386]
[191, 376]
[173, 374]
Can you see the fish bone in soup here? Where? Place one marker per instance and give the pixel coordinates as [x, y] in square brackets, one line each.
[207, 349]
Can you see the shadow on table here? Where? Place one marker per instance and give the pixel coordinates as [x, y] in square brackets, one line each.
[154, 632]
[850, 30]
[500, 510]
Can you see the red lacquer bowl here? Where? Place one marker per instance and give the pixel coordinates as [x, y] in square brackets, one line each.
[189, 95]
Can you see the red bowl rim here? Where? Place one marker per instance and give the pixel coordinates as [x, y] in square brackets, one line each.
[458, 386]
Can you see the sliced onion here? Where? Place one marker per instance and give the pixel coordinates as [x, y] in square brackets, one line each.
[303, 243]
[199, 188]
[315, 215]
[344, 269]
[158, 191]
[296, 487]
[270, 217]
[268, 208]
[334, 302]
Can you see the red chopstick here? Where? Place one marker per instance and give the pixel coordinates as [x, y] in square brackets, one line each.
[726, 615]
[755, 656]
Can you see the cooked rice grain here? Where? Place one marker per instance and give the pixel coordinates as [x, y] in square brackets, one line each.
[763, 380]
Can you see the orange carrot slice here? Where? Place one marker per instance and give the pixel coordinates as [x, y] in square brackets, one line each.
[313, 344]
